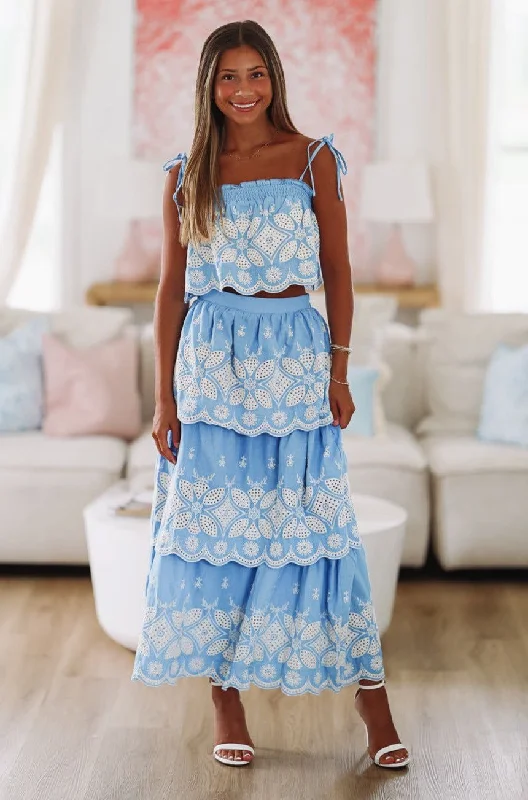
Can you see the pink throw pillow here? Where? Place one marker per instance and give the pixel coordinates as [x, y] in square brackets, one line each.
[91, 391]
[140, 257]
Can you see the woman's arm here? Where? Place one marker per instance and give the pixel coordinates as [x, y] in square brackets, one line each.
[337, 276]
[169, 314]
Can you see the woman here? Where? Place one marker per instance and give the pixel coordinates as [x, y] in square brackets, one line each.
[257, 574]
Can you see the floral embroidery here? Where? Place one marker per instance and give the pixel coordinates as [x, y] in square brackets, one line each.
[273, 645]
[271, 244]
[251, 382]
[212, 517]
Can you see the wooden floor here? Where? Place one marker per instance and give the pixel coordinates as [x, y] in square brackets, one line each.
[74, 727]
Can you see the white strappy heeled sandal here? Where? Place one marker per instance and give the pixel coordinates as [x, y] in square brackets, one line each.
[390, 748]
[239, 748]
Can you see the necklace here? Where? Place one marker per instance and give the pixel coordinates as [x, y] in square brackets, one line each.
[254, 154]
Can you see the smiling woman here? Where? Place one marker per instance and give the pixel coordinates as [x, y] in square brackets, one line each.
[240, 89]
[253, 518]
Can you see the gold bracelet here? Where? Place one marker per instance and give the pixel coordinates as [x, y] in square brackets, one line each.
[343, 383]
[340, 347]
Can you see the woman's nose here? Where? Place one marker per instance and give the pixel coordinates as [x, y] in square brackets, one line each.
[243, 88]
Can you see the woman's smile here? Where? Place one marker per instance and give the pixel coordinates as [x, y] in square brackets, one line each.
[244, 107]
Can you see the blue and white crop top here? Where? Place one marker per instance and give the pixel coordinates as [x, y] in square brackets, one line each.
[267, 236]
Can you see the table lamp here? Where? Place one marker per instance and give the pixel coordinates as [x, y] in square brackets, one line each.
[130, 189]
[396, 192]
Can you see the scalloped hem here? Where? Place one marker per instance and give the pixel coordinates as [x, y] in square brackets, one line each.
[260, 286]
[265, 427]
[244, 686]
[261, 560]
[296, 628]
[254, 499]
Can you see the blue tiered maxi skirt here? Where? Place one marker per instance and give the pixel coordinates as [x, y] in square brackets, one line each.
[257, 573]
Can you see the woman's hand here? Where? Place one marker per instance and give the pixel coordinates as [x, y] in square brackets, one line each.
[165, 420]
[341, 403]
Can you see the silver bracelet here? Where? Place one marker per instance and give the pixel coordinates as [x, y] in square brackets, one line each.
[340, 347]
[343, 383]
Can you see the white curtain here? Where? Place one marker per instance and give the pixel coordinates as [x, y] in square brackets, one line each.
[460, 56]
[42, 108]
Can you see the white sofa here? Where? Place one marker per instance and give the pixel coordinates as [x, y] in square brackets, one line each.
[479, 491]
[45, 482]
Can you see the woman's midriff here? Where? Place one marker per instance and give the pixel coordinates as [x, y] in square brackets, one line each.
[291, 291]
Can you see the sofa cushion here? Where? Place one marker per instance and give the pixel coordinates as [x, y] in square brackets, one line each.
[142, 455]
[403, 396]
[504, 411]
[459, 455]
[21, 393]
[92, 390]
[364, 385]
[398, 448]
[459, 349]
[33, 450]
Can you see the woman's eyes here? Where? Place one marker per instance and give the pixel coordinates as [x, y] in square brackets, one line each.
[257, 74]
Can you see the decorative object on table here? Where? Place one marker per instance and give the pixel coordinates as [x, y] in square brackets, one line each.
[21, 395]
[396, 193]
[92, 391]
[504, 409]
[137, 505]
[129, 195]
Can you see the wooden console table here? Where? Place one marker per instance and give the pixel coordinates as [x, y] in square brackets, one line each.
[420, 296]
[118, 293]
[122, 293]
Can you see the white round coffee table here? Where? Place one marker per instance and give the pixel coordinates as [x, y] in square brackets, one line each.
[119, 551]
[381, 526]
[119, 555]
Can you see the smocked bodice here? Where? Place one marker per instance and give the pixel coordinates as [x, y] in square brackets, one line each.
[266, 236]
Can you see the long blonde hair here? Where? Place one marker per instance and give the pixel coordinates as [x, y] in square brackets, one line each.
[200, 182]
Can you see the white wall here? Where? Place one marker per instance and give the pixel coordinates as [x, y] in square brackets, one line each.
[98, 130]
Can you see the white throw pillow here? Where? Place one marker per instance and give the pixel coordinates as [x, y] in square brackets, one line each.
[372, 315]
[504, 411]
[459, 349]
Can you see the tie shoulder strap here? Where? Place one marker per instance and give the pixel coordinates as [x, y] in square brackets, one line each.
[180, 158]
[341, 166]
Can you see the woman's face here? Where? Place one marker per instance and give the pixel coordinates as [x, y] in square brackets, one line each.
[242, 88]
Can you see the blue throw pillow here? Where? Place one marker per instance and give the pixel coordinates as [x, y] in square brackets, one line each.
[362, 380]
[21, 382]
[504, 409]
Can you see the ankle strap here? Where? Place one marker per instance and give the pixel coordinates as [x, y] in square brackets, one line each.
[373, 686]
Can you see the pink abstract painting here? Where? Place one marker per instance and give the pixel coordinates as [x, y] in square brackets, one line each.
[329, 55]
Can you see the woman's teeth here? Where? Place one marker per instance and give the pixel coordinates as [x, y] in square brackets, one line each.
[244, 106]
